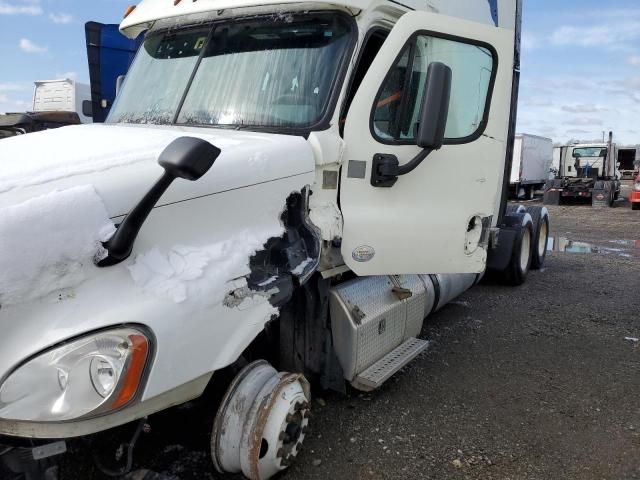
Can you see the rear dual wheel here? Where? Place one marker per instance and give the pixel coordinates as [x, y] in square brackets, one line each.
[520, 262]
[540, 220]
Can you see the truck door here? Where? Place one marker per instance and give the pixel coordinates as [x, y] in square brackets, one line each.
[435, 218]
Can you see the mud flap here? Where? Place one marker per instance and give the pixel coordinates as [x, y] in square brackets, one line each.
[499, 255]
[601, 196]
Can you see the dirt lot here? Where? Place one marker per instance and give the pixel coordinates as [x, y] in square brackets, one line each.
[537, 382]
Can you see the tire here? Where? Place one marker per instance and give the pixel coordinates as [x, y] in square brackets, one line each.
[540, 217]
[635, 206]
[520, 263]
[513, 208]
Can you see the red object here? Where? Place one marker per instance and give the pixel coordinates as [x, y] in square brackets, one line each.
[635, 194]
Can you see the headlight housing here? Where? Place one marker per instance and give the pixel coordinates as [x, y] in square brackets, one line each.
[89, 376]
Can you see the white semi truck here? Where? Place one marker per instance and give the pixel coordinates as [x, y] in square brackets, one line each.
[585, 171]
[56, 103]
[300, 229]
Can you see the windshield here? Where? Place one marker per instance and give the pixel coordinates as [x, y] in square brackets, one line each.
[596, 152]
[276, 71]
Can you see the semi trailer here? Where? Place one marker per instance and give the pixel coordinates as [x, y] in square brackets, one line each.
[586, 171]
[265, 211]
[56, 103]
[532, 158]
[628, 162]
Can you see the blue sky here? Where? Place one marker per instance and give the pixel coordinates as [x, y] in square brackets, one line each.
[580, 75]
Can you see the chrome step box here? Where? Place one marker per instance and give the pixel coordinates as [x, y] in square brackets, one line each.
[378, 373]
[372, 316]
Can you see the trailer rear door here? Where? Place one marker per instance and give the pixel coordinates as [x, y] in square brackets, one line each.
[433, 219]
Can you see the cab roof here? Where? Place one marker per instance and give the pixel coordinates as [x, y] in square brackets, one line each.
[148, 11]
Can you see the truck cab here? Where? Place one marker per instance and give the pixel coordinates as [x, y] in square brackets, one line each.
[586, 171]
[588, 160]
[269, 200]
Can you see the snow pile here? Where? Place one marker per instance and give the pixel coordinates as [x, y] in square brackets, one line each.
[199, 272]
[299, 270]
[50, 243]
[59, 153]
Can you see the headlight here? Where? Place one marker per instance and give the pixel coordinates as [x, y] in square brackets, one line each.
[636, 187]
[88, 376]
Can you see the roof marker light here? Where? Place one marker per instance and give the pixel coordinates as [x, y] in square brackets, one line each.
[128, 11]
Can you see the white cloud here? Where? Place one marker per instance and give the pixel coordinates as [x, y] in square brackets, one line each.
[619, 35]
[15, 87]
[586, 121]
[582, 108]
[634, 60]
[28, 46]
[20, 7]
[530, 41]
[61, 18]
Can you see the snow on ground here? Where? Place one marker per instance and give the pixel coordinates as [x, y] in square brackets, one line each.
[200, 273]
[50, 243]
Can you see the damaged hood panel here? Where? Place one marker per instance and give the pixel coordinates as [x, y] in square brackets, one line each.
[120, 161]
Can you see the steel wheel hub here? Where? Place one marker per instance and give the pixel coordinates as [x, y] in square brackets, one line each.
[261, 423]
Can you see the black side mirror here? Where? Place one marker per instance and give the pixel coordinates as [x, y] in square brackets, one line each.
[186, 157]
[435, 107]
[431, 130]
[87, 108]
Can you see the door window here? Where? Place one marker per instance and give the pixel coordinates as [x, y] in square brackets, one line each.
[397, 109]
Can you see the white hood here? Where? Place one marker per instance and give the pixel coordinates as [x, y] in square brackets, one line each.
[120, 161]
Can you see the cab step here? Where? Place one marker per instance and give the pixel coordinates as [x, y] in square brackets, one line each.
[378, 373]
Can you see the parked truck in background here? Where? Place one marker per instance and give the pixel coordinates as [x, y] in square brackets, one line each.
[628, 162]
[586, 171]
[56, 103]
[297, 227]
[532, 158]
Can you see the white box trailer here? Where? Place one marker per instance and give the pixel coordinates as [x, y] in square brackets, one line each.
[266, 207]
[532, 159]
[61, 95]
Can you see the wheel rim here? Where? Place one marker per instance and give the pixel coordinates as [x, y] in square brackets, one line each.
[543, 238]
[525, 250]
[261, 422]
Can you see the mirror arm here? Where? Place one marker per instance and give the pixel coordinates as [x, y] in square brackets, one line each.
[120, 245]
[414, 163]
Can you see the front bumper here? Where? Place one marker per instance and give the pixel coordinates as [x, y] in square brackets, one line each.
[634, 197]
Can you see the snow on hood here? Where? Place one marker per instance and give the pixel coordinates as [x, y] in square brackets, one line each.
[42, 251]
[38, 163]
[50, 155]
[59, 188]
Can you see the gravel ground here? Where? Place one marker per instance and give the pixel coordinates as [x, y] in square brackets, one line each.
[536, 382]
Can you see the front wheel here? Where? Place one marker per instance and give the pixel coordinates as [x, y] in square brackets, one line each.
[261, 423]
